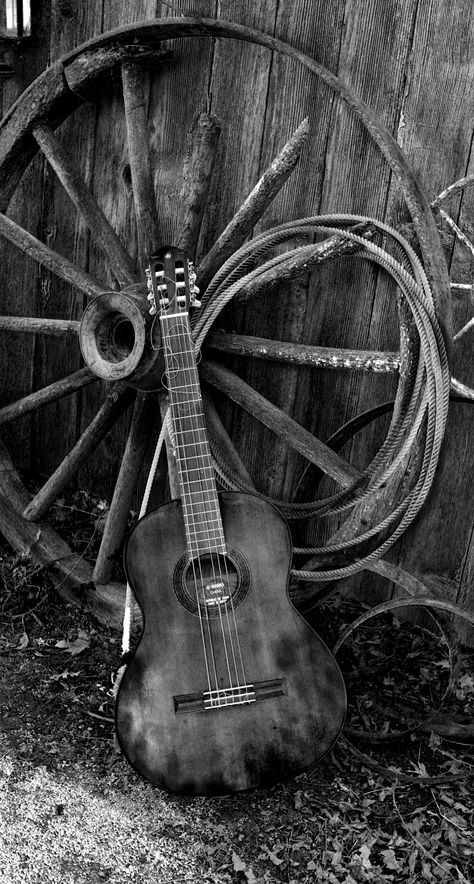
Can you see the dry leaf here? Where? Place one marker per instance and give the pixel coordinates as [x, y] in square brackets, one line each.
[298, 800]
[80, 644]
[24, 642]
[274, 858]
[390, 860]
[238, 863]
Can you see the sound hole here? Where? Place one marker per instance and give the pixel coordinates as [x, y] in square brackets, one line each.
[212, 583]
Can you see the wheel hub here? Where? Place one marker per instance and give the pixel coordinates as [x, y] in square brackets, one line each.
[119, 339]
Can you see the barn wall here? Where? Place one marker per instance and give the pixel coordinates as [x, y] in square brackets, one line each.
[412, 61]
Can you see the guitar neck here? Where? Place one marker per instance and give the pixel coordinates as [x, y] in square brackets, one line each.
[201, 512]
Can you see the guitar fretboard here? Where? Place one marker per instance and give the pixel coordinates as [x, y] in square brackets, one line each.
[201, 512]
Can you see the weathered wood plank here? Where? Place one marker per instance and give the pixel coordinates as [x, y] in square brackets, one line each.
[292, 433]
[373, 53]
[315, 28]
[52, 260]
[254, 206]
[203, 140]
[176, 98]
[49, 394]
[122, 265]
[115, 404]
[303, 354]
[436, 133]
[17, 145]
[144, 416]
[32, 325]
[140, 162]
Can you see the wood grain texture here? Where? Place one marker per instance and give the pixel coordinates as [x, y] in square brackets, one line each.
[140, 165]
[51, 393]
[436, 133]
[52, 260]
[145, 414]
[115, 404]
[255, 204]
[282, 425]
[122, 265]
[203, 140]
[32, 325]
[410, 60]
[303, 354]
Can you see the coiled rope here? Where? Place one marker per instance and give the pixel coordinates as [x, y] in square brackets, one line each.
[423, 397]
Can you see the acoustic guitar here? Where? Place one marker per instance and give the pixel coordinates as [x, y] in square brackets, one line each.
[228, 688]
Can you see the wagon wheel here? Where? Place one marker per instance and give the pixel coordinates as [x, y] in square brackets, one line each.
[116, 331]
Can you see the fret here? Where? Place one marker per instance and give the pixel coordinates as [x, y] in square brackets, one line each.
[199, 549]
[191, 402]
[201, 513]
[200, 429]
[193, 444]
[188, 511]
[207, 478]
[210, 491]
[200, 470]
[186, 387]
[184, 353]
[197, 442]
[197, 535]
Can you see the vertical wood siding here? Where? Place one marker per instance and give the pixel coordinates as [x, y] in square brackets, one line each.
[412, 61]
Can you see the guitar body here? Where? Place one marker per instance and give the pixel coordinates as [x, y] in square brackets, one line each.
[298, 697]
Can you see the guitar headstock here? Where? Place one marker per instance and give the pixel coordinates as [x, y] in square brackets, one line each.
[171, 282]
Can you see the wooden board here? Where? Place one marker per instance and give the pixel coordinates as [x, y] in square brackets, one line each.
[436, 133]
[410, 61]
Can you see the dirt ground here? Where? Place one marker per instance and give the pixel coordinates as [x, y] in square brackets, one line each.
[73, 811]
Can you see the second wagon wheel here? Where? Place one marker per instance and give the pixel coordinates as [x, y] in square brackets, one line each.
[117, 334]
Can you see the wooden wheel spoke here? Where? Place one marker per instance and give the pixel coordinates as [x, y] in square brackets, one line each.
[145, 413]
[51, 393]
[271, 416]
[222, 446]
[114, 405]
[197, 174]
[121, 263]
[32, 325]
[55, 262]
[303, 354]
[465, 328]
[255, 205]
[139, 154]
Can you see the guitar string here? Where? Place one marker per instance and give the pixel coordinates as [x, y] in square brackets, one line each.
[187, 349]
[190, 510]
[168, 354]
[227, 582]
[191, 382]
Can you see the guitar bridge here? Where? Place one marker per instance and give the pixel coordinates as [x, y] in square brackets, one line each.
[240, 695]
[229, 696]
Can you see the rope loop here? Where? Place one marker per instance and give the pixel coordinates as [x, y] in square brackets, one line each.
[422, 402]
